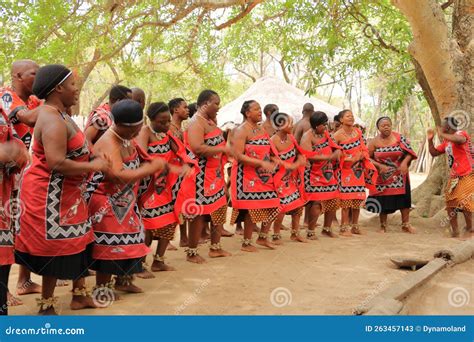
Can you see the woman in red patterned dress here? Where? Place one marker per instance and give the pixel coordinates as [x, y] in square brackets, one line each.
[202, 196]
[158, 213]
[253, 191]
[356, 173]
[55, 236]
[321, 174]
[457, 144]
[13, 157]
[391, 154]
[289, 177]
[115, 201]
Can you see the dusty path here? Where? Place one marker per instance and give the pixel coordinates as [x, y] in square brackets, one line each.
[329, 276]
[450, 292]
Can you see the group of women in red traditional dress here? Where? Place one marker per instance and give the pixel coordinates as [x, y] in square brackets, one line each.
[92, 203]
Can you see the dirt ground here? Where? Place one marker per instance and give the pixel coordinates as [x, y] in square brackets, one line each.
[329, 276]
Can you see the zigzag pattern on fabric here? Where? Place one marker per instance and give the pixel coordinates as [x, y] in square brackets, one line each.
[6, 238]
[53, 228]
[389, 149]
[260, 142]
[350, 145]
[201, 198]
[320, 146]
[316, 189]
[288, 155]
[241, 195]
[395, 185]
[291, 198]
[159, 149]
[157, 211]
[349, 189]
[214, 141]
[111, 239]
[81, 151]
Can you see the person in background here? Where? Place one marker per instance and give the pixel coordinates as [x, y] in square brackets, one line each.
[100, 119]
[391, 154]
[457, 145]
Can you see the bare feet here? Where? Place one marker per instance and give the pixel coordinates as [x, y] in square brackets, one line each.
[82, 302]
[265, 243]
[226, 233]
[12, 300]
[130, 288]
[345, 232]
[218, 253]
[146, 274]
[298, 238]
[329, 233]
[171, 247]
[455, 233]
[183, 243]
[311, 235]
[407, 228]
[160, 266]
[249, 248]
[28, 287]
[48, 312]
[197, 259]
[382, 231]
[277, 242]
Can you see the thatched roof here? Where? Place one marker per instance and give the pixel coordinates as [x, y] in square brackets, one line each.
[267, 90]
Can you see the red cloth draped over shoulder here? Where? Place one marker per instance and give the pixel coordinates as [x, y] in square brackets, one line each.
[7, 179]
[392, 182]
[158, 211]
[355, 177]
[55, 219]
[289, 184]
[115, 212]
[203, 192]
[253, 188]
[321, 177]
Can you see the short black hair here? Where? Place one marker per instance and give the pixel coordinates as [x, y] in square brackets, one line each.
[174, 103]
[379, 120]
[269, 109]
[118, 92]
[342, 112]
[318, 118]
[245, 107]
[156, 108]
[127, 112]
[205, 96]
[192, 109]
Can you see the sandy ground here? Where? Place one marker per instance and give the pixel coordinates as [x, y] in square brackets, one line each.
[329, 276]
[450, 292]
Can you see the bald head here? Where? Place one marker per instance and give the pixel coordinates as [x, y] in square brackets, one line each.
[308, 109]
[139, 95]
[23, 75]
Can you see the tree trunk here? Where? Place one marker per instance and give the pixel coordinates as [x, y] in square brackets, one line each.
[444, 67]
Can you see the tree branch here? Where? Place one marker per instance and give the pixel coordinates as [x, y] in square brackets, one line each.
[239, 16]
[246, 74]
